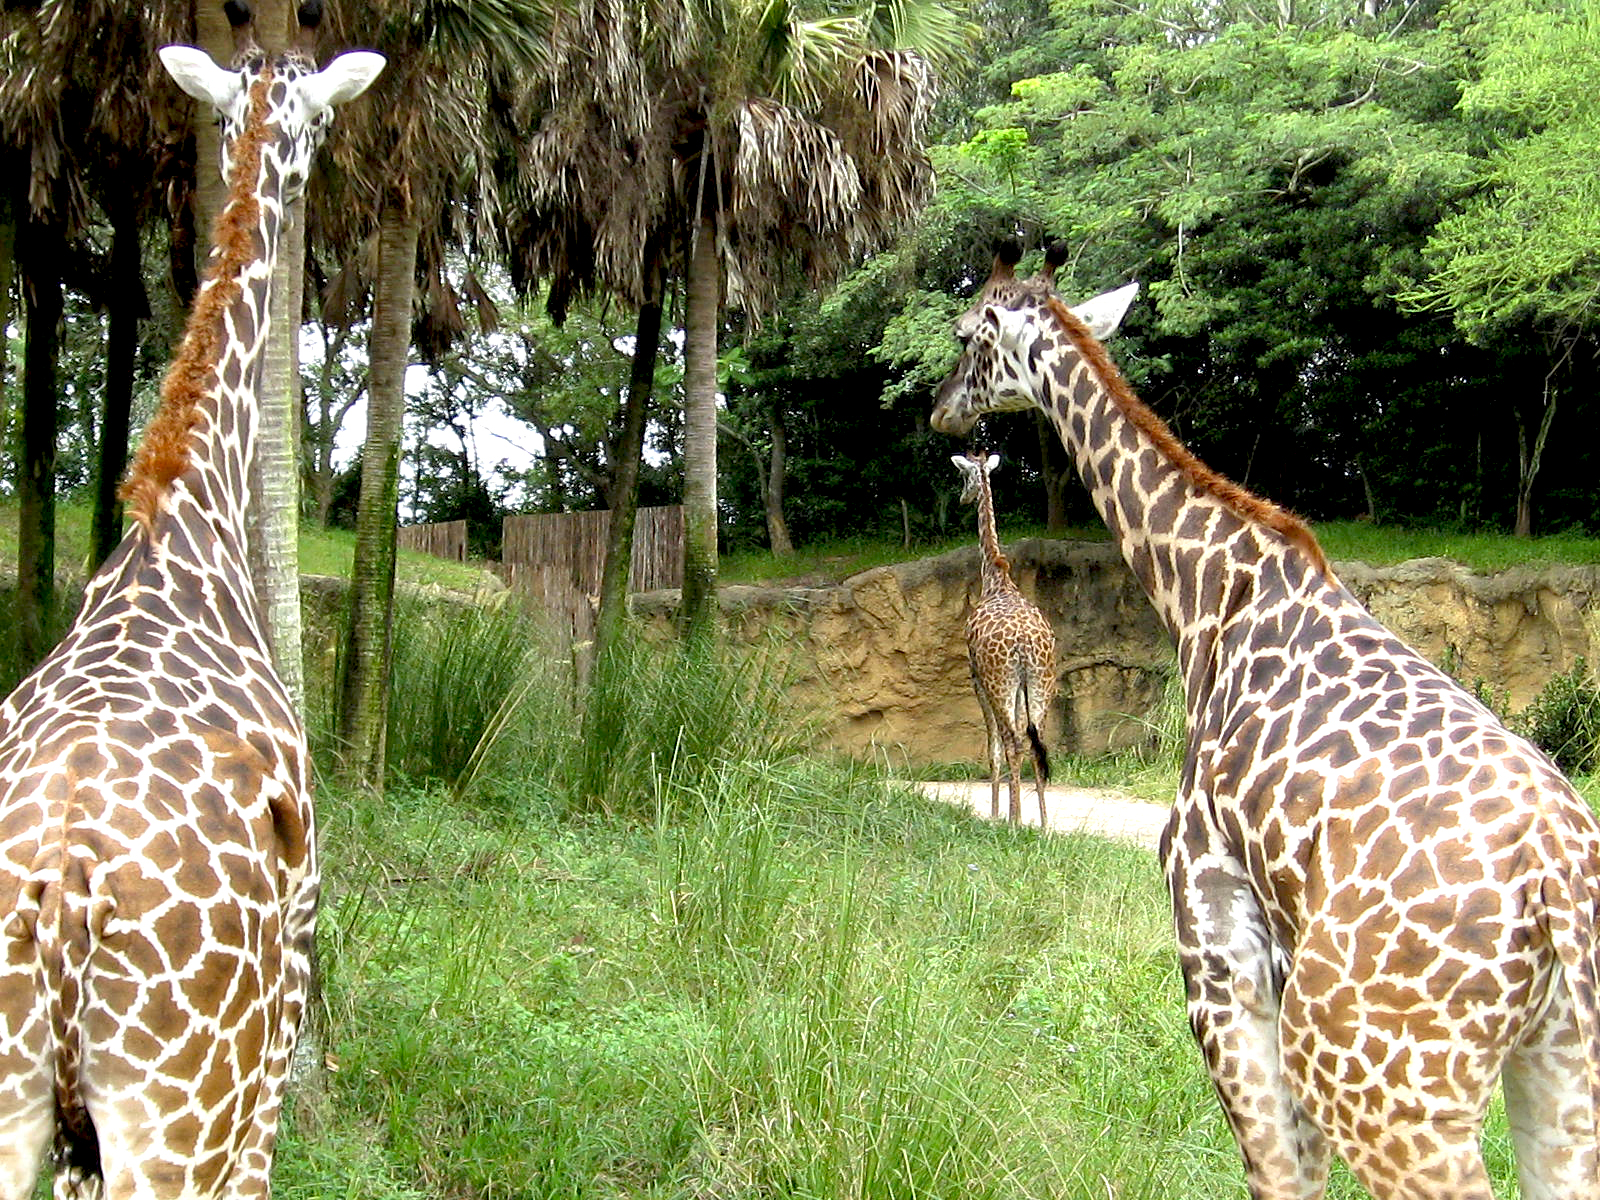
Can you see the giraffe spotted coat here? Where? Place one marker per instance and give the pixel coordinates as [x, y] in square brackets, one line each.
[1011, 651]
[1384, 901]
[158, 878]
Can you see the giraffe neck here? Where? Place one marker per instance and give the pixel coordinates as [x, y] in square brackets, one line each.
[994, 569]
[1202, 548]
[195, 460]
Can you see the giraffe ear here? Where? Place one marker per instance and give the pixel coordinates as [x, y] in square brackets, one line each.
[195, 73]
[992, 463]
[345, 78]
[960, 461]
[1104, 313]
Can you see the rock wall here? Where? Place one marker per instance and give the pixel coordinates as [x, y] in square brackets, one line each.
[884, 652]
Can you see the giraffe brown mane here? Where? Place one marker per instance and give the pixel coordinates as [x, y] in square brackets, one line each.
[166, 450]
[1241, 502]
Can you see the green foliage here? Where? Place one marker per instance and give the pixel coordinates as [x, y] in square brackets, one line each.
[658, 720]
[1524, 245]
[1564, 720]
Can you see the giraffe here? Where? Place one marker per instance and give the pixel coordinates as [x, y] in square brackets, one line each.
[158, 876]
[1383, 900]
[1011, 650]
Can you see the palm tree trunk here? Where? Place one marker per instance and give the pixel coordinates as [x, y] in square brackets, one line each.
[275, 542]
[41, 255]
[8, 259]
[214, 36]
[624, 497]
[127, 306]
[701, 315]
[364, 699]
[777, 470]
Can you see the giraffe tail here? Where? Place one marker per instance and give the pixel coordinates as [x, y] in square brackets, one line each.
[1041, 759]
[64, 939]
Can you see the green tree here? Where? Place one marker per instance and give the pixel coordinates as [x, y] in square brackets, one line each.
[417, 157]
[805, 147]
[1524, 251]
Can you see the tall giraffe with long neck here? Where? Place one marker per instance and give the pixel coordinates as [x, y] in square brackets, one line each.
[158, 877]
[1383, 900]
[1011, 651]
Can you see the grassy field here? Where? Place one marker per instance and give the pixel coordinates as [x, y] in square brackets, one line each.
[1343, 540]
[667, 954]
[660, 952]
[322, 552]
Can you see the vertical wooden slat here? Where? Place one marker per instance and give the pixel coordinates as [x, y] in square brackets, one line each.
[442, 539]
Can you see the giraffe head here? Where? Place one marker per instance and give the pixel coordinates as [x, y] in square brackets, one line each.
[299, 98]
[1000, 364]
[973, 469]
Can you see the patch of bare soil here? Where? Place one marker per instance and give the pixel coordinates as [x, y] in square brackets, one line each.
[1100, 811]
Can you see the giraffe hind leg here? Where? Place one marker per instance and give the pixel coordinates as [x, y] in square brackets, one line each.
[1041, 769]
[1549, 1108]
[27, 1072]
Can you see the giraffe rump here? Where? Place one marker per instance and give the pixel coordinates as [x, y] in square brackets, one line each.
[167, 448]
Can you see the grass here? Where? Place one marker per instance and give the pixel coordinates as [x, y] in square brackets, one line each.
[1377, 545]
[798, 982]
[322, 552]
[722, 968]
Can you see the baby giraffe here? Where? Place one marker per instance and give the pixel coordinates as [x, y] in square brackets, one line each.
[1011, 650]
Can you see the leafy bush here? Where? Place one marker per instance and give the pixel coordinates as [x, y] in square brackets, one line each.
[1564, 720]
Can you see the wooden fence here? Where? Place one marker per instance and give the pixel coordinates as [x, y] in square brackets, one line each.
[556, 558]
[443, 539]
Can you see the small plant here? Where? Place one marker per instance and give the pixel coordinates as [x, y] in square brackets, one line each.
[1564, 720]
[466, 684]
[661, 718]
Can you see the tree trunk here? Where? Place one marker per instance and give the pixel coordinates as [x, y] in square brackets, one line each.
[215, 37]
[127, 306]
[40, 257]
[1529, 457]
[704, 285]
[364, 695]
[1057, 471]
[777, 469]
[624, 492]
[8, 252]
[275, 541]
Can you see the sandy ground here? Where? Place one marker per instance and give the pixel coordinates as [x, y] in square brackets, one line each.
[1072, 810]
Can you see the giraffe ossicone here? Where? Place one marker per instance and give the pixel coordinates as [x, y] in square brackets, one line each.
[158, 870]
[1384, 901]
[1011, 653]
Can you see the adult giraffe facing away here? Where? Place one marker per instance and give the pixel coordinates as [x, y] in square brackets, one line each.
[1011, 650]
[158, 877]
[1383, 900]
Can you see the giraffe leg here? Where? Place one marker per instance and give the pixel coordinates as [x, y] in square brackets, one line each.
[27, 1070]
[1390, 1074]
[27, 1117]
[1549, 1106]
[1013, 753]
[1226, 956]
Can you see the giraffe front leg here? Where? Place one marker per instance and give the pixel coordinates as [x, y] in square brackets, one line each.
[1226, 956]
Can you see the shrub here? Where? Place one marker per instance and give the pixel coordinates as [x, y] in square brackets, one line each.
[1564, 720]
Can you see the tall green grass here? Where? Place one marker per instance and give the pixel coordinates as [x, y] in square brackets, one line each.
[798, 982]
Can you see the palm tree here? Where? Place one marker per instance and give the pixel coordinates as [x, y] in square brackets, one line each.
[588, 187]
[733, 143]
[803, 149]
[79, 104]
[417, 161]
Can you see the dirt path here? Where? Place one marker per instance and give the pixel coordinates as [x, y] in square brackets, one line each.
[1072, 810]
